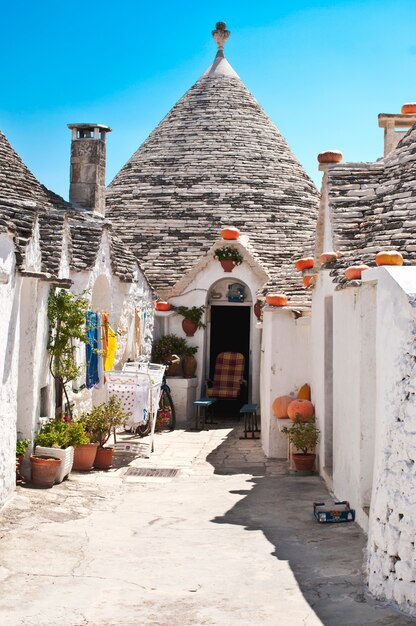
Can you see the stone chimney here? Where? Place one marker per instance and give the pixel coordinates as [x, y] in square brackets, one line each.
[395, 125]
[87, 179]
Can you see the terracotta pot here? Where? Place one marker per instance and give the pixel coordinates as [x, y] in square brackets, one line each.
[276, 299]
[409, 108]
[230, 233]
[304, 462]
[330, 156]
[391, 257]
[173, 369]
[328, 257]
[227, 265]
[309, 279]
[258, 309]
[354, 272]
[189, 366]
[44, 470]
[304, 264]
[161, 305]
[104, 458]
[189, 327]
[84, 457]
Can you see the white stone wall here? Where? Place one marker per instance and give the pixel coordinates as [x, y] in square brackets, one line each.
[196, 293]
[9, 335]
[286, 366]
[118, 299]
[392, 526]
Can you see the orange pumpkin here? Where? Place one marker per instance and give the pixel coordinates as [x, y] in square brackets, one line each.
[303, 408]
[304, 264]
[389, 258]
[304, 392]
[354, 272]
[161, 305]
[409, 108]
[328, 257]
[309, 279]
[330, 156]
[230, 233]
[280, 405]
[276, 299]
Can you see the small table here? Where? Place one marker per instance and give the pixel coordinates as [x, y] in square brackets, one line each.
[250, 420]
[203, 411]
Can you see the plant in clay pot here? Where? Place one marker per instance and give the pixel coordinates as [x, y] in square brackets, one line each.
[165, 348]
[44, 470]
[99, 423]
[229, 257]
[192, 318]
[21, 447]
[189, 362]
[303, 436]
[57, 438]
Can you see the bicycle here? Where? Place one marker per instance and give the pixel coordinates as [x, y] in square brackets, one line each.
[166, 416]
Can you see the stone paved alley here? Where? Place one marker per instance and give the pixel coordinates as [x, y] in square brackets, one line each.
[230, 541]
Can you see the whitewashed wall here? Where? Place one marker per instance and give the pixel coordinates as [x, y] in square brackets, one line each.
[9, 337]
[286, 366]
[119, 300]
[196, 293]
[392, 524]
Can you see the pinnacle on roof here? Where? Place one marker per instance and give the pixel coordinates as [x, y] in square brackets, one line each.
[220, 35]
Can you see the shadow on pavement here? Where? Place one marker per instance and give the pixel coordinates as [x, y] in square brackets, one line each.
[326, 559]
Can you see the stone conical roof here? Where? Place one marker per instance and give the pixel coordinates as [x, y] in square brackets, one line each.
[216, 159]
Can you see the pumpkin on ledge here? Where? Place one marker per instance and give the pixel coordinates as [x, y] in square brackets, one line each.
[391, 257]
[161, 305]
[354, 271]
[304, 264]
[230, 233]
[276, 299]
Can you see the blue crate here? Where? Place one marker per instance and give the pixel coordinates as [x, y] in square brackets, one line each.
[336, 512]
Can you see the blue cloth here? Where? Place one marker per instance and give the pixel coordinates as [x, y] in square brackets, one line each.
[91, 350]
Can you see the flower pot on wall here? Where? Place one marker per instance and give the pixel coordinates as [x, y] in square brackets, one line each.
[227, 265]
[84, 457]
[44, 469]
[189, 327]
[104, 458]
[189, 365]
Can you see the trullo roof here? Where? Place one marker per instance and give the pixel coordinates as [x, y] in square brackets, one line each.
[216, 159]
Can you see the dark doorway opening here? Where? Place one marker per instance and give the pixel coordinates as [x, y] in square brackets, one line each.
[230, 332]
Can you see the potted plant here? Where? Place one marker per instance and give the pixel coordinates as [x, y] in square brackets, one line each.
[99, 423]
[192, 318]
[229, 257]
[58, 438]
[167, 346]
[21, 447]
[44, 469]
[304, 436]
[189, 362]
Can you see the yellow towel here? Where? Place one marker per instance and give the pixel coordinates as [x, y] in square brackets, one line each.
[111, 349]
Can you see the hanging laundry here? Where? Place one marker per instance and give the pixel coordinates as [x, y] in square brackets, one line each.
[104, 324]
[111, 349]
[100, 363]
[91, 350]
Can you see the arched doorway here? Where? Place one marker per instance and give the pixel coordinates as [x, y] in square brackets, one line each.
[229, 329]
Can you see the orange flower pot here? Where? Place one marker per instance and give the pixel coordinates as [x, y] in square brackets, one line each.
[44, 470]
[104, 458]
[161, 305]
[330, 156]
[84, 457]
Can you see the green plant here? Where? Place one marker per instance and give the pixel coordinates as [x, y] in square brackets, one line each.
[22, 445]
[61, 433]
[66, 316]
[167, 345]
[303, 435]
[228, 254]
[193, 313]
[190, 351]
[102, 418]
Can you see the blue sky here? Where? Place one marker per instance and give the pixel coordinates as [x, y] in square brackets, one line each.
[322, 70]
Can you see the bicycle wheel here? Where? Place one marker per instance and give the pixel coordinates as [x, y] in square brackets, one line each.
[166, 418]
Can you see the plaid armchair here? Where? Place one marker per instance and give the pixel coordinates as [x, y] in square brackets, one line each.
[228, 375]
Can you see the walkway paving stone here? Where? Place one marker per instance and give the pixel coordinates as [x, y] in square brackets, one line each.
[230, 541]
